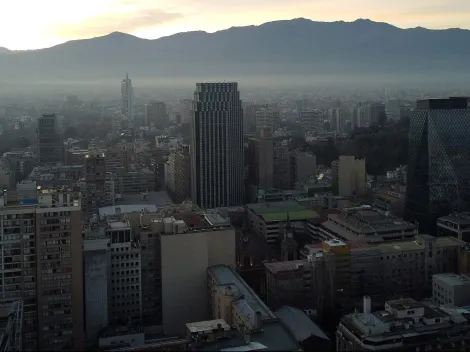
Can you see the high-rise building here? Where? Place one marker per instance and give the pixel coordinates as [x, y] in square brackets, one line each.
[41, 241]
[127, 96]
[178, 174]
[438, 165]
[50, 147]
[95, 179]
[261, 159]
[156, 114]
[267, 118]
[185, 110]
[217, 170]
[348, 176]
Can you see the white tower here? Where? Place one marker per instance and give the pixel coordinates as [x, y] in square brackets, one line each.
[127, 95]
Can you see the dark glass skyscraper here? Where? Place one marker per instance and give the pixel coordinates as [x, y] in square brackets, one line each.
[217, 170]
[438, 161]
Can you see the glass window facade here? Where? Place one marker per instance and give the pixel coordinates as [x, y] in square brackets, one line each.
[438, 163]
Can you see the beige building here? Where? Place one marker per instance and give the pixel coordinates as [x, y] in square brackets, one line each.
[178, 174]
[185, 256]
[41, 242]
[282, 165]
[349, 176]
[342, 273]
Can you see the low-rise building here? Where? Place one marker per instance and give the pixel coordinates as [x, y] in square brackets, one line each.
[456, 225]
[404, 325]
[364, 224]
[265, 219]
[11, 327]
[450, 288]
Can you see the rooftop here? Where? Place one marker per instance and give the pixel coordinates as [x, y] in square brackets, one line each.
[277, 211]
[158, 199]
[225, 275]
[275, 267]
[452, 279]
[457, 219]
[207, 325]
[299, 324]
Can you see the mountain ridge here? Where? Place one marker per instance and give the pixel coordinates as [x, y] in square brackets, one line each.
[287, 47]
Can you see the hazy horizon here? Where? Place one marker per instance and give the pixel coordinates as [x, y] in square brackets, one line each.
[55, 21]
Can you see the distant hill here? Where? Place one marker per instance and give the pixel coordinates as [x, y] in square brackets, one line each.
[293, 47]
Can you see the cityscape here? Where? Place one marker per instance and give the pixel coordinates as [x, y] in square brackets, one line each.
[233, 214]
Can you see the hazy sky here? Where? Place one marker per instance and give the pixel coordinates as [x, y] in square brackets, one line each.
[30, 24]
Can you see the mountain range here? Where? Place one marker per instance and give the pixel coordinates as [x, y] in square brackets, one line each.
[298, 47]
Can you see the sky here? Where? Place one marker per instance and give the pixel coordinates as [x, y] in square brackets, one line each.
[33, 24]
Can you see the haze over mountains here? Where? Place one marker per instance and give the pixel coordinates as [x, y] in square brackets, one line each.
[293, 48]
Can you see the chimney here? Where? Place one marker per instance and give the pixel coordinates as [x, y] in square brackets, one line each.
[367, 304]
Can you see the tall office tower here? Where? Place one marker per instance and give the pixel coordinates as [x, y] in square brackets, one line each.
[95, 179]
[438, 164]
[261, 162]
[178, 174]
[217, 170]
[311, 121]
[41, 242]
[156, 114]
[301, 105]
[50, 147]
[337, 117]
[127, 96]
[282, 166]
[269, 118]
[249, 115]
[185, 110]
[348, 176]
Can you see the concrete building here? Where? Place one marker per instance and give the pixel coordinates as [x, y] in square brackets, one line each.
[95, 195]
[249, 115]
[456, 225]
[348, 176]
[217, 168]
[311, 121]
[49, 222]
[178, 174]
[97, 282]
[50, 176]
[363, 224]
[404, 324]
[50, 146]
[265, 219]
[184, 281]
[235, 305]
[337, 118]
[156, 114]
[304, 167]
[288, 283]
[267, 118]
[450, 288]
[126, 278]
[261, 163]
[127, 98]
[133, 182]
[11, 327]
[282, 165]
[185, 110]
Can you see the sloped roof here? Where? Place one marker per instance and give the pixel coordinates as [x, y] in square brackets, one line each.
[299, 324]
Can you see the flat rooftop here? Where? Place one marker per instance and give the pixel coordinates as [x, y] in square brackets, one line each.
[452, 279]
[278, 211]
[457, 219]
[157, 199]
[276, 267]
[225, 275]
[207, 325]
[124, 209]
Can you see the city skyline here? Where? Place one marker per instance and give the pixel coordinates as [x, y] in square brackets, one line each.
[51, 22]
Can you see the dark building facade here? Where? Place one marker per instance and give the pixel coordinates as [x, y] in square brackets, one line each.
[217, 169]
[438, 161]
[50, 147]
